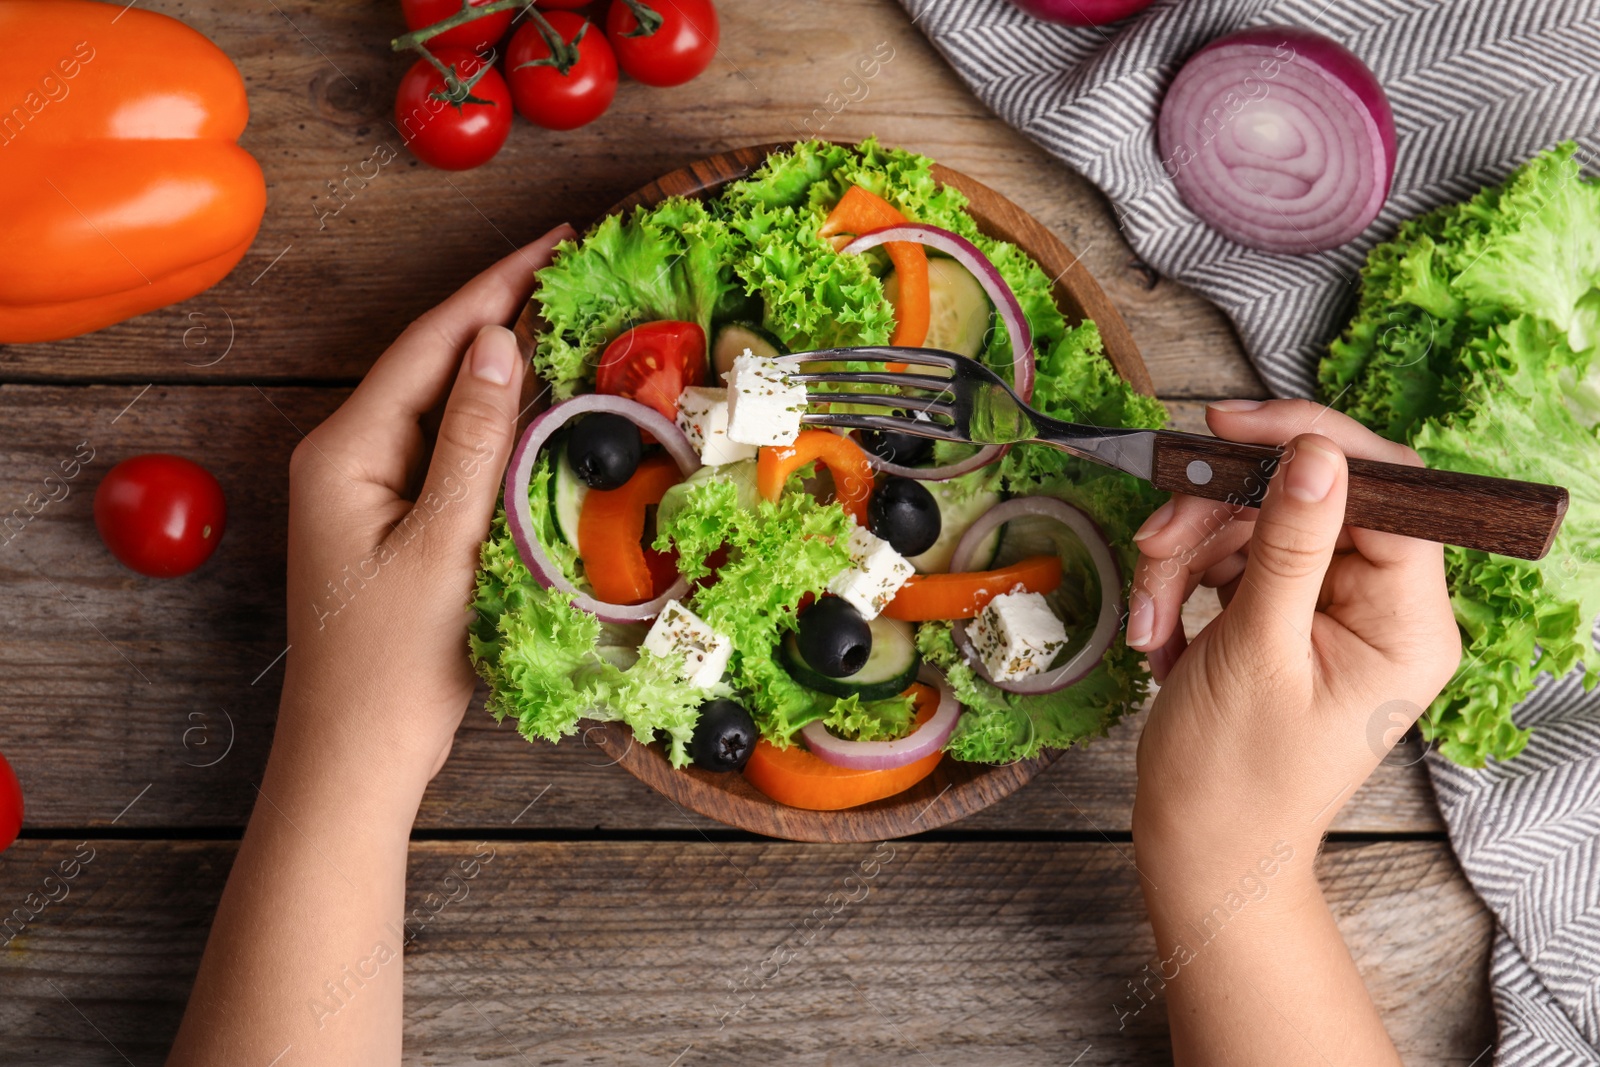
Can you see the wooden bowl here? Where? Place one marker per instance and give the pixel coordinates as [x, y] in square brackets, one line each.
[954, 789]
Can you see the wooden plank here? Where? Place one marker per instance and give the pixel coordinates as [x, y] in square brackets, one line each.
[111, 683]
[636, 952]
[320, 294]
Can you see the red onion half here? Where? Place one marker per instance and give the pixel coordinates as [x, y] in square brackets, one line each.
[1280, 139]
[1105, 564]
[922, 742]
[519, 516]
[1004, 300]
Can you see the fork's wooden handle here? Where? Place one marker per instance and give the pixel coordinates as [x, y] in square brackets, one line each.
[1493, 514]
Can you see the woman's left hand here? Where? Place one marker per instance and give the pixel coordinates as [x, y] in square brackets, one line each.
[380, 566]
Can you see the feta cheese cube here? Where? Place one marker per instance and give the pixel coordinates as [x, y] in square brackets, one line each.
[703, 418]
[679, 632]
[875, 574]
[764, 402]
[1017, 635]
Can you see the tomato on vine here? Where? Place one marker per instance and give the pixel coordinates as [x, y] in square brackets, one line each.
[563, 74]
[663, 42]
[478, 35]
[458, 122]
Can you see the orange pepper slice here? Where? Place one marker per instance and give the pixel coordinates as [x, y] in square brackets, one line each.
[852, 474]
[961, 595]
[861, 211]
[610, 527]
[795, 777]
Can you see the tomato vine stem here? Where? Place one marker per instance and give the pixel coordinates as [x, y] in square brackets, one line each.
[458, 91]
[648, 18]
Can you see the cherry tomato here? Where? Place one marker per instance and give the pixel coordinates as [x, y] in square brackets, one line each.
[653, 363]
[680, 49]
[558, 5]
[445, 135]
[546, 96]
[10, 805]
[160, 515]
[475, 36]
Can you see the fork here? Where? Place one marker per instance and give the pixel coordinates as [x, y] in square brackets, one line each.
[953, 398]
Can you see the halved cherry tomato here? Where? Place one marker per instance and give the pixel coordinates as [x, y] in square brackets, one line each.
[653, 363]
[852, 474]
[610, 526]
[795, 777]
[861, 211]
[961, 595]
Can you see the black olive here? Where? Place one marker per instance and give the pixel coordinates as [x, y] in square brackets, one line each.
[604, 450]
[906, 449]
[833, 638]
[904, 513]
[724, 737]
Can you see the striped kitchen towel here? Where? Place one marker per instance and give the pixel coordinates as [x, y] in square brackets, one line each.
[1477, 87]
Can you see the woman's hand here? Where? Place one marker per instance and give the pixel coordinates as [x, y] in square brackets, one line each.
[308, 945]
[1263, 721]
[383, 538]
[1263, 728]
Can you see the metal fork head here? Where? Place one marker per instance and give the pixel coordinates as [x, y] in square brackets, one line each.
[934, 405]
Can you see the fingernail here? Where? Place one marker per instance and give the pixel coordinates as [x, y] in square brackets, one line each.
[1311, 472]
[1156, 522]
[1234, 405]
[494, 355]
[1141, 619]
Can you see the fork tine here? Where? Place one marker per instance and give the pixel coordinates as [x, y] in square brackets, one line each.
[926, 357]
[904, 403]
[881, 423]
[908, 381]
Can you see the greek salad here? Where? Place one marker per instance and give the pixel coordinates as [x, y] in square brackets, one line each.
[829, 614]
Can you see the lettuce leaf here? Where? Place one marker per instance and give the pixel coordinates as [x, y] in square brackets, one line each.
[542, 659]
[672, 261]
[777, 554]
[875, 720]
[1475, 341]
[999, 727]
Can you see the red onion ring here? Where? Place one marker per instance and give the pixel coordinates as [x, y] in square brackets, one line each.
[922, 742]
[1105, 564]
[1280, 139]
[1005, 302]
[519, 515]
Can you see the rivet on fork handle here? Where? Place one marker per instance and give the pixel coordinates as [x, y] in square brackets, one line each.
[1499, 515]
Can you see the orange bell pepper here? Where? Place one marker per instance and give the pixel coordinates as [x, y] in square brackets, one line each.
[852, 474]
[124, 189]
[795, 777]
[962, 594]
[861, 211]
[610, 526]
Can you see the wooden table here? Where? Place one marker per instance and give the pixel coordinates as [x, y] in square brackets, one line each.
[609, 926]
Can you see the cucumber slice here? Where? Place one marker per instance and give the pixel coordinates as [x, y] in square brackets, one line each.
[734, 338]
[959, 313]
[567, 491]
[890, 668]
[954, 519]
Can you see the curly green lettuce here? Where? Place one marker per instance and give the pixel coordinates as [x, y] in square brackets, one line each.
[673, 261]
[777, 554]
[544, 662]
[1475, 341]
